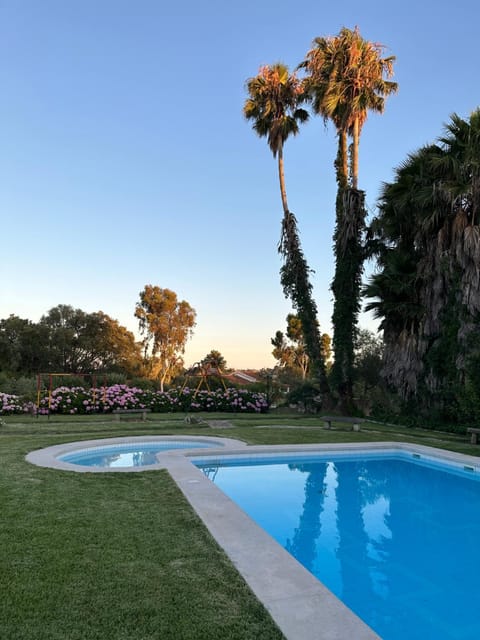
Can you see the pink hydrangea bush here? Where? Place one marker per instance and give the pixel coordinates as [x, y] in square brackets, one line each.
[10, 404]
[77, 400]
[64, 400]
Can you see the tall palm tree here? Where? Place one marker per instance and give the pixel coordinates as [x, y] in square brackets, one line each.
[274, 107]
[273, 104]
[346, 79]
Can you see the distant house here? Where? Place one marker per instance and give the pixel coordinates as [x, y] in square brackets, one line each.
[241, 377]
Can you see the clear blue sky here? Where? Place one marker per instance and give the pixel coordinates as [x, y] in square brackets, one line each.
[125, 159]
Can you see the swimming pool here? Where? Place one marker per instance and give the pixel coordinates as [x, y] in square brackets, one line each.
[130, 454]
[393, 535]
[126, 454]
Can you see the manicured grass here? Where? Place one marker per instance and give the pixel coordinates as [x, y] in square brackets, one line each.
[110, 556]
[123, 556]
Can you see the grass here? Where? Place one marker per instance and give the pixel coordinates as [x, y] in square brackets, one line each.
[123, 556]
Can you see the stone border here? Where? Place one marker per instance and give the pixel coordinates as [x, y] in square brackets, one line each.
[301, 606]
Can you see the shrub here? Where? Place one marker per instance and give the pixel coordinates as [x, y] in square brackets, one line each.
[64, 400]
[78, 400]
[18, 386]
[11, 404]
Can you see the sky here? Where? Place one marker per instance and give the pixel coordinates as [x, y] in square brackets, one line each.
[125, 159]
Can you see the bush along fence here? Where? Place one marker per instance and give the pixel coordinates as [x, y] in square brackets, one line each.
[78, 401]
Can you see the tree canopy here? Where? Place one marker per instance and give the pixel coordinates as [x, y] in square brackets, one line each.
[166, 324]
[346, 78]
[214, 360]
[67, 340]
[290, 350]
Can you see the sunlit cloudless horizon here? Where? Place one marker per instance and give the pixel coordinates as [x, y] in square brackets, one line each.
[125, 159]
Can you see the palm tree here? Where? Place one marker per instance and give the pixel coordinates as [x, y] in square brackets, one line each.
[345, 79]
[427, 289]
[273, 105]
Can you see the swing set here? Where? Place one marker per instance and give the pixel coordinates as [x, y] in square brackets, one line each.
[203, 372]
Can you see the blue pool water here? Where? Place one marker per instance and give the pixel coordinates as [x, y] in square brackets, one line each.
[394, 537]
[138, 454]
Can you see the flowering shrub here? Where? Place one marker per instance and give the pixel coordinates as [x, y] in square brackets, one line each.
[64, 400]
[229, 400]
[119, 396]
[77, 400]
[10, 404]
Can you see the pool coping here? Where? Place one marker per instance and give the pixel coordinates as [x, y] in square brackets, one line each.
[301, 606]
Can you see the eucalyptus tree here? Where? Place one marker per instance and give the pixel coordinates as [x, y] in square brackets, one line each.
[427, 288]
[274, 106]
[346, 77]
[289, 349]
[166, 324]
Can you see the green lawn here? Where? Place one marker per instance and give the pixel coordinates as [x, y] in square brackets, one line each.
[123, 556]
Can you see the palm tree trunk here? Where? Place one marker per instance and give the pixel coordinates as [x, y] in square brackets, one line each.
[281, 176]
[356, 136]
[343, 159]
[350, 223]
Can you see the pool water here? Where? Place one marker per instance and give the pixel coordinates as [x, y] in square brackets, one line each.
[138, 454]
[396, 539]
